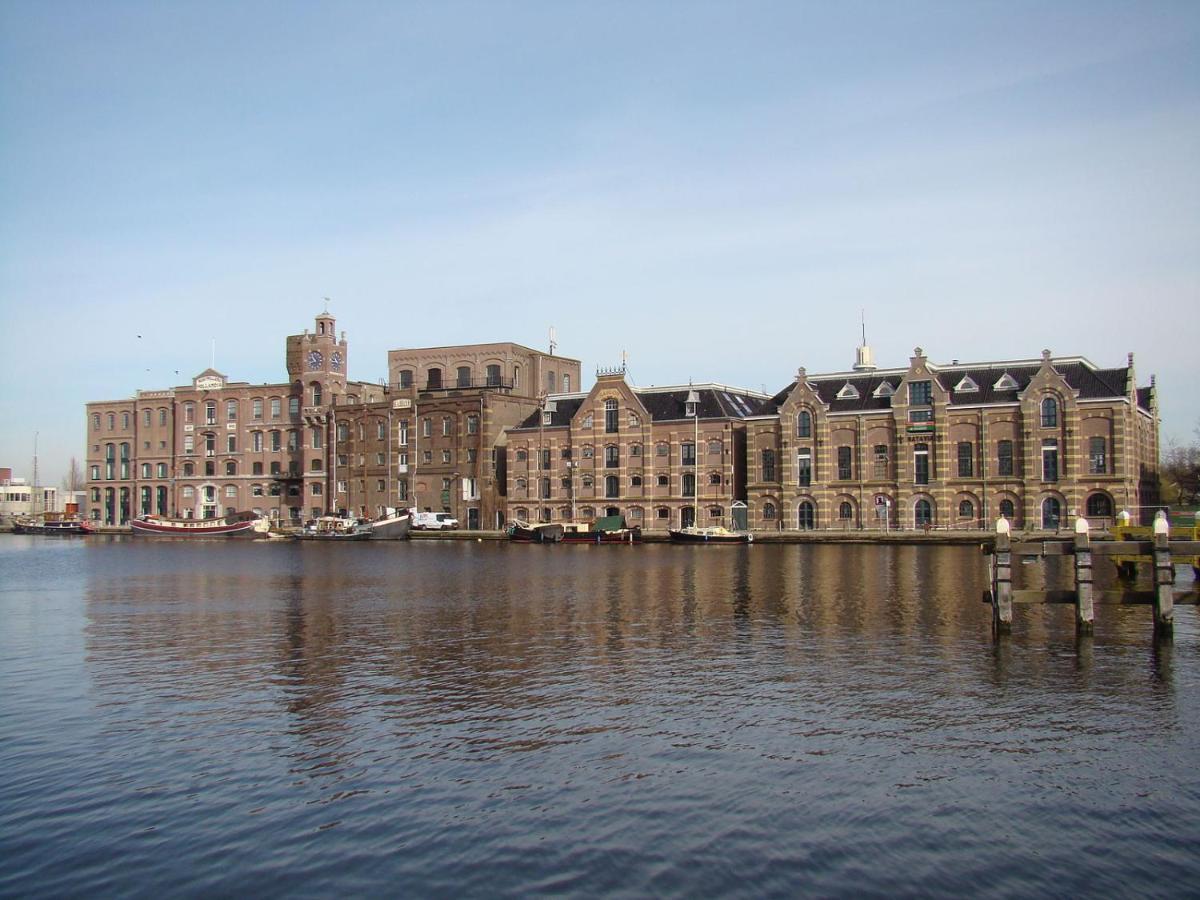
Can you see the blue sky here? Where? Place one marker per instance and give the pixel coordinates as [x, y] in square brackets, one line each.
[716, 189]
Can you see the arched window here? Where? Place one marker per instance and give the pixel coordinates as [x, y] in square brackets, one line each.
[966, 509]
[635, 481]
[1006, 509]
[804, 424]
[922, 513]
[317, 396]
[1049, 413]
[689, 484]
[433, 378]
[567, 383]
[714, 478]
[769, 511]
[493, 375]
[516, 376]
[464, 376]
[189, 470]
[612, 456]
[230, 467]
[845, 511]
[1099, 506]
[1051, 512]
[806, 516]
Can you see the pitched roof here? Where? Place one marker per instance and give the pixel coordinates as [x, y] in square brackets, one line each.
[1090, 382]
[664, 404]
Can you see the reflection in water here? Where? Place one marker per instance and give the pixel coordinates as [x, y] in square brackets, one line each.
[484, 718]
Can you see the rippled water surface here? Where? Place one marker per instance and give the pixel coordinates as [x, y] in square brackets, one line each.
[479, 719]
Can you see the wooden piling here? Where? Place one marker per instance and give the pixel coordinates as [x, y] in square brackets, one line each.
[1002, 584]
[1164, 586]
[1084, 610]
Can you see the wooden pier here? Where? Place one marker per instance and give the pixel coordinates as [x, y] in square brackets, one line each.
[1159, 551]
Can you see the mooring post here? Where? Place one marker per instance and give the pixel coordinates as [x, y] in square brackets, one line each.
[1002, 579]
[1084, 610]
[1164, 579]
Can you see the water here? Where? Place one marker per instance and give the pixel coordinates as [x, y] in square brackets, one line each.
[477, 719]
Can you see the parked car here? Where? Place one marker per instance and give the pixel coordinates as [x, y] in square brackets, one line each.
[431, 521]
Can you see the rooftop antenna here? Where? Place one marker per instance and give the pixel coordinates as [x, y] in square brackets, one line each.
[863, 361]
[553, 342]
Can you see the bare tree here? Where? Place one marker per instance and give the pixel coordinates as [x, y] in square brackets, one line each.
[73, 480]
[1181, 471]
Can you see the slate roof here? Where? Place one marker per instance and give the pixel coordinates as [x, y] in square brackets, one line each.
[1091, 383]
[715, 402]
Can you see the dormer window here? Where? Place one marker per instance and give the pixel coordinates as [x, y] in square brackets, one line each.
[885, 389]
[848, 392]
[1005, 383]
[689, 404]
[967, 386]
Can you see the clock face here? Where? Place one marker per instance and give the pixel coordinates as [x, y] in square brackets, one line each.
[335, 361]
[315, 359]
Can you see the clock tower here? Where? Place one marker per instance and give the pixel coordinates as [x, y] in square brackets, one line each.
[318, 358]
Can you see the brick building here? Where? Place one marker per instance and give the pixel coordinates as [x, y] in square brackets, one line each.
[436, 439]
[953, 445]
[216, 446]
[653, 455]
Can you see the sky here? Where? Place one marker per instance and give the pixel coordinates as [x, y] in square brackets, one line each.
[720, 191]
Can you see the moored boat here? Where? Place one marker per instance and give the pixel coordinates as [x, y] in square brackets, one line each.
[605, 530]
[712, 535]
[245, 524]
[53, 527]
[335, 528]
[392, 526]
[531, 533]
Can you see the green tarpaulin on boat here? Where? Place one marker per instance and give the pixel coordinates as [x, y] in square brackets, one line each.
[610, 523]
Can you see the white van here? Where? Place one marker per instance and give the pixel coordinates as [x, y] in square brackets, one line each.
[431, 521]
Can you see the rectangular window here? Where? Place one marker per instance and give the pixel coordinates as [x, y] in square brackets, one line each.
[446, 457]
[293, 440]
[381, 430]
[275, 408]
[543, 459]
[845, 468]
[188, 445]
[768, 465]
[1004, 458]
[293, 406]
[966, 459]
[612, 457]
[257, 410]
[881, 461]
[804, 470]
[380, 459]
[921, 464]
[275, 441]
[1097, 456]
[471, 454]
[231, 410]
[426, 427]
[472, 424]
[316, 438]
[1050, 460]
[402, 489]
[404, 433]
[611, 414]
[210, 414]
[256, 442]
[231, 443]
[920, 393]
[688, 453]
[920, 415]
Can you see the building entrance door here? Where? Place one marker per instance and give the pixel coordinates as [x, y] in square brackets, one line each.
[473, 518]
[687, 516]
